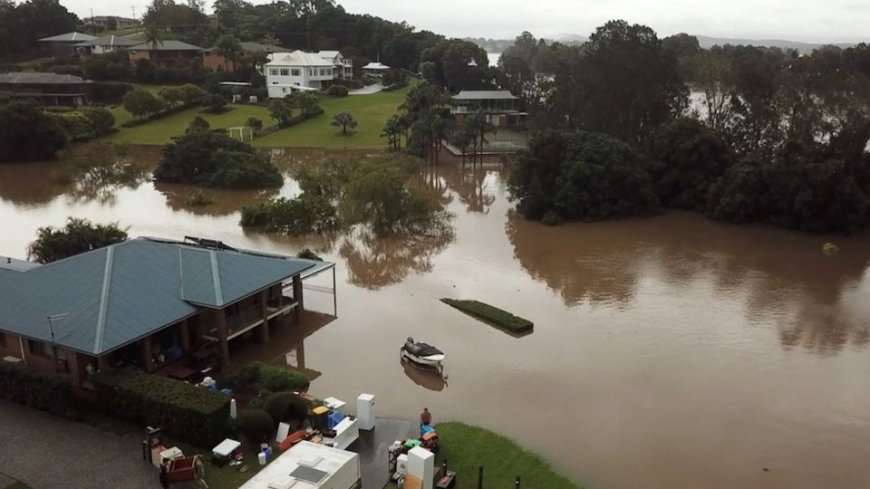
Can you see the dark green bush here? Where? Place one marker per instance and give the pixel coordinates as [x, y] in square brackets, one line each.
[492, 314]
[244, 170]
[353, 84]
[47, 392]
[302, 215]
[284, 406]
[193, 414]
[337, 91]
[278, 379]
[250, 373]
[101, 119]
[109, 92]
[256, 425]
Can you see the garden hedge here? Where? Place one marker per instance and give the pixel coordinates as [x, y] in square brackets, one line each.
[272, 378]
[48, 392]
[491, 314]
[193, 414]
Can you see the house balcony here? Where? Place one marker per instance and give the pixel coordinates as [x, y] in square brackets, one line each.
[251, 317]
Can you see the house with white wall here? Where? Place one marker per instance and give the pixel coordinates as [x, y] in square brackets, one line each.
[343, 66]
[286, 72]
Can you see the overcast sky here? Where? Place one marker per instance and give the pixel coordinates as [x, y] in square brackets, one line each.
[797, 20]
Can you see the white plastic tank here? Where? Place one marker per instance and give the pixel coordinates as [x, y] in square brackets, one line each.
[365, 411]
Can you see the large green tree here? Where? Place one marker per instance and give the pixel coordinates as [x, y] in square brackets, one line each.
[628, 84]
[212, 158]
[78, 236]
[27, 133]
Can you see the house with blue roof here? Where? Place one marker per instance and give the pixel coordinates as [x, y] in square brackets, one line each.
[145, 301]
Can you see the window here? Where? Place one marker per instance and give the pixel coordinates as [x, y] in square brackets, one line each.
[285, 72]
[322, 72]
[329, 71]
[296, 72]
[311, 72]
[39, 348]
[283, 90]
[273, 72]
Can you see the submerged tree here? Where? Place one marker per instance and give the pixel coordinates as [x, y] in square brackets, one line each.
[28, 133]
[78, 236]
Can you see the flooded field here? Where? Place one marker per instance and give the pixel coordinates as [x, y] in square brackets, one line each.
[668, 352]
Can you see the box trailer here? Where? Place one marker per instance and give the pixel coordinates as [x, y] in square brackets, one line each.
[309, 465]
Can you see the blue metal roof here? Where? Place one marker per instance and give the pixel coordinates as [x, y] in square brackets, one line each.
[118, 294]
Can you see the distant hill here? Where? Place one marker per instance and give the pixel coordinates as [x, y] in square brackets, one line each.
[803, 47]
[499, 45]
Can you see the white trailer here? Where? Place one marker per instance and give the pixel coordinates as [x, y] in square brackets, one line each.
[309, 466]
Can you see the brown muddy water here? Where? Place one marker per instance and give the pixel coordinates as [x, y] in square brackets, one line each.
[670, 352]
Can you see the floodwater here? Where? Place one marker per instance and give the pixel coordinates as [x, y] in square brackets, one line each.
[669, 352]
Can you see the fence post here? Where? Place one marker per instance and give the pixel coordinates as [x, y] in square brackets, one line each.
[480, 477]
[517, 483]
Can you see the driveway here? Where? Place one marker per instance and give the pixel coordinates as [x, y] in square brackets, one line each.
[367, 90]
[47, 452]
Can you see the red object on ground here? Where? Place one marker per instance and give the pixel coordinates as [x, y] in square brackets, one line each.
[292, 439]
[182, 469]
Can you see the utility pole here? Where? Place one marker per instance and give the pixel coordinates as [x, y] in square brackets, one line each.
[51, 319]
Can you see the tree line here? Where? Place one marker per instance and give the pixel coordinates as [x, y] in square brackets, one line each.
[775, 137]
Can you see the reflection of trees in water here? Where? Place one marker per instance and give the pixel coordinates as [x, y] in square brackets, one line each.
[596, 271]
[97, 176]
[29, 183]
[224, 202]
[469, 184]
[374, 262]
[782, 279]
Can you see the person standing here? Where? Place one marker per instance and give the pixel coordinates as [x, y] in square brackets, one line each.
[425, 417]
[164, 474]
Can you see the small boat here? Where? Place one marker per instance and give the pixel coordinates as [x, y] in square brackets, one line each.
[423, 354]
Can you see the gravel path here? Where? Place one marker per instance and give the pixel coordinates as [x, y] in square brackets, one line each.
[47, 452]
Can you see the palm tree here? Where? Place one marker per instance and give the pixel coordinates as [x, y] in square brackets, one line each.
[153, 36]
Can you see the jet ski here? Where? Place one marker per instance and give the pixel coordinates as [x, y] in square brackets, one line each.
[423, 354]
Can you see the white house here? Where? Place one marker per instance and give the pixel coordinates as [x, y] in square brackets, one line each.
[298, 70]
[343, 66]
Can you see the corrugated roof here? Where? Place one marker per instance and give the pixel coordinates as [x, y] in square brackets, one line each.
[116, 295]
[110, 41]
[36, 77]
[168, 45]
[69, 37]
[16, 265]
[297, 58]
[484, 95]
[376, 65]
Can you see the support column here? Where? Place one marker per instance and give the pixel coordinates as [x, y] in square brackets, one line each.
[72, 359]
[264, 313]
[185, 336]
[103, 363]
[23, 350]
[146, 355]
[220, 319]
[297, 296]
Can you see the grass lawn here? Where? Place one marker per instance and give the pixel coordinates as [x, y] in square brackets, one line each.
[370, 111]
[162, 130]
[467, 447]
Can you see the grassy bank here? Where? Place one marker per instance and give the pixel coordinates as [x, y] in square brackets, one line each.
[493, 315]
[467, 447]
[370, 111]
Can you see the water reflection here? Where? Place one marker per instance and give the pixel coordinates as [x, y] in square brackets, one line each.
[29, 184]
[374, 262]
[476, 187]
[223, 202]
[427, 379]
[780, 278]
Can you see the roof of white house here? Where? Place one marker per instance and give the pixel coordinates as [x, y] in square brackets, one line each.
[376, 65]
[484, 95]
[295, 467]
[297, 58]
[329, 54]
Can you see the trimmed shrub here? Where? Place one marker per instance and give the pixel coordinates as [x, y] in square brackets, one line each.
[256, 425]
[494, 315]
[337, 91]
[76, 125]
[239, 170]
[109, 92]
[272, 378]
[283, 406]
[193, 414]
[353, 84]
[51, 393]
[101, 119]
